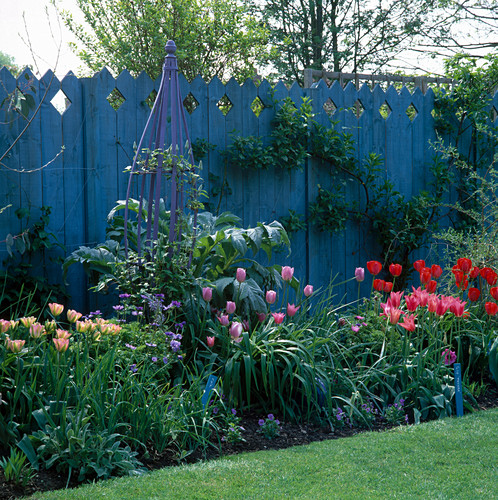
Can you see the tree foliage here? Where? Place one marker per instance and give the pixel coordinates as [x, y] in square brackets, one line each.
[9, 62]
[340, 35]
[214, 37]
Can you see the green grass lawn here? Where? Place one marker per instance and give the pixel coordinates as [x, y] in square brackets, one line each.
[451, 458]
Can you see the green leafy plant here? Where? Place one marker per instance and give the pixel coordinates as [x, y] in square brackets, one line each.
[249, 152]
[74, 445]
[15, 469]
[23, 274]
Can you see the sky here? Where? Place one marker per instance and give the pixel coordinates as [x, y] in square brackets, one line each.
[46, 34]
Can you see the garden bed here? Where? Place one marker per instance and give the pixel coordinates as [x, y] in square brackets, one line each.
[290, 435]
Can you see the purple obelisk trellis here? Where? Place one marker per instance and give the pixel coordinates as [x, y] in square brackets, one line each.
[167, 115]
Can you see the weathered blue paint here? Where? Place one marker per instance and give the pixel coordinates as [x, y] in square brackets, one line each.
[84, 183]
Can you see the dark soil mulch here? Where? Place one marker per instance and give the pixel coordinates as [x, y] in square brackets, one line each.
[290, 435]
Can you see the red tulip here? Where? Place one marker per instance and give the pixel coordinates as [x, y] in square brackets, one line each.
[395, 269]
[463, 284]
[491, 308]
[388, 286]
[464, 265]
[474, 273]
[374, 267]
[419, 264]
[494, 292]
[436, 271]
[210, 341]
[491, 277]
[378, 285]
[474, 294]
[425, 275]
[431, 286]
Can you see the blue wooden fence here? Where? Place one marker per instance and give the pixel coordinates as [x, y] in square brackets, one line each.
[83, 183]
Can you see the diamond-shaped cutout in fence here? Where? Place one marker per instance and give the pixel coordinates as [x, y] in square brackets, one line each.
[358, 108]
[411, 112]
[60, 102]
[225, 105]
[385, 110]
[329, 107]
[257, 106]
[151, 99]
[115, 99]
[190, 103]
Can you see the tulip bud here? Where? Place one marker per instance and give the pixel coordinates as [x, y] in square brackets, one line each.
[73, 316]
[308, 290]
[231, 307]
[56, 309]
[36, 330]
[235, 330]
[210, 341]
[61, 344]
[207, 293]
[240, 275]
[359, 274]
[287, 273]
[271, 296]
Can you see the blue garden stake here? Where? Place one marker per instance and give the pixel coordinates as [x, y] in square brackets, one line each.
[207, 391]
[458, 389]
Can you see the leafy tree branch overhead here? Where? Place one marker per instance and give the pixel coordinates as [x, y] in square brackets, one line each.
[339, 35]
[218, 37]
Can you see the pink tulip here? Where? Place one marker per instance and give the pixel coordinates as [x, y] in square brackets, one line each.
[15, 345]
[236, 331]
[292, 310]
[409, 322]
[412, 302]
[231, 307]
[207, 293]
[308, 290]
[449, 357]
[359, 274]
[271, 296]
[61, 344]
[210, 341]
[73, 316]
[4, 325]
[261, 317]
[36, 330]
[223, 319]
[394, 316]
[62, 334]
[56, 309]
[457, 308]
[27, 322]
[278, 317]
[395, 298]
[240, 275]
[287, 273]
